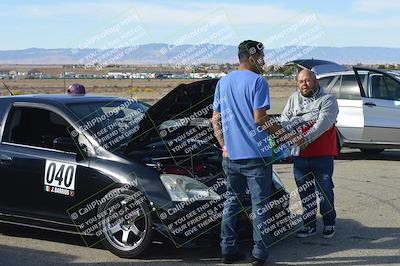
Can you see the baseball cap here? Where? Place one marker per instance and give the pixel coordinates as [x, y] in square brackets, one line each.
[76, 89]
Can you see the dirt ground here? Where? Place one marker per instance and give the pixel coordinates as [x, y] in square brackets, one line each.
[368, 221]
[148, 90]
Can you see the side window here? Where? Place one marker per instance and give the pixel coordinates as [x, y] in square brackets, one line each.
[38, 127]
[349, 88]
[335, 89]
[324, 82]
[3, 110]
[393, 88]
[384, 87]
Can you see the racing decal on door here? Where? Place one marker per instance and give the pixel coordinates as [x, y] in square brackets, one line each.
[60, 178]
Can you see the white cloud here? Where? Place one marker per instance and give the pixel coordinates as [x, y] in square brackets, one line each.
[61, 10]
[334, 21]
[174, 13]
[162, 21]
[159, 13]
[178, 16]
[374, 6]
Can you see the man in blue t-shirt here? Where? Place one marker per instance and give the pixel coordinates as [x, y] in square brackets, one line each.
[241, 127]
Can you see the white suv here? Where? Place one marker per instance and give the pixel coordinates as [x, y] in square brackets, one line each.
[369, 104]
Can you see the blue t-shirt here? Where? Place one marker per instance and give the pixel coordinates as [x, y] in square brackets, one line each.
[236, 96]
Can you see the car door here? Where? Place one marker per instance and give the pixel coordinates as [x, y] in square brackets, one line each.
[381, 106]
[40, 179]
[350, 120]
[351, 115]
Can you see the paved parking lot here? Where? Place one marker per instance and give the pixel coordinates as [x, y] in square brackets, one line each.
[368, 227]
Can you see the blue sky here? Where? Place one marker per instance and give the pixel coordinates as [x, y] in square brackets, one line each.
[68, 24]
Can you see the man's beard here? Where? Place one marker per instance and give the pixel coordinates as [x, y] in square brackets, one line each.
[310, 94]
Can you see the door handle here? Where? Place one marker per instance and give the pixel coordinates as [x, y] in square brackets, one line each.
[5, 160]
[369, 104]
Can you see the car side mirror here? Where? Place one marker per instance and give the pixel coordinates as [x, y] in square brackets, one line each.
[82, 153]
[65, 144]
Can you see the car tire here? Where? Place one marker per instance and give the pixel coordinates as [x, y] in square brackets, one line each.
[338, 142]
[129, 235]
[371, 151]
[338, 147]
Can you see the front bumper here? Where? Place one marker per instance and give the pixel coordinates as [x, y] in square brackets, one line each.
[199, 223]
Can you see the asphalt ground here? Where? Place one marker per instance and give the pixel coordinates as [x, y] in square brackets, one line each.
[368, 227]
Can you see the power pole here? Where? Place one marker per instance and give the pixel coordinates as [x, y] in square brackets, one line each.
[131, 82]
[64, 77]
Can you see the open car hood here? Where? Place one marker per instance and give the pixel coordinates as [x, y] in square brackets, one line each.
[194, 99]
[319, 67]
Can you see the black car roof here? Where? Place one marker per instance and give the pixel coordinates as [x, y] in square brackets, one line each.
[60, 98]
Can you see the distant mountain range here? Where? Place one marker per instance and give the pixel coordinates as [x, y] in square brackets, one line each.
[203, 53]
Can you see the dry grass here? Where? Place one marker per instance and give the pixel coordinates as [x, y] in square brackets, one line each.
[145, 89]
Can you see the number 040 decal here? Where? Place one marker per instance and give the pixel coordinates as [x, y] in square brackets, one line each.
[60, 175]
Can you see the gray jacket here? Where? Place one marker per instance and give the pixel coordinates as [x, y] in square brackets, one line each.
[320, 111]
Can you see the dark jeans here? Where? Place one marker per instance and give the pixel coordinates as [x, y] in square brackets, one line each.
[256, 174]
[318, 172]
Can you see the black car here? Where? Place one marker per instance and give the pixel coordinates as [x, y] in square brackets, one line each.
[117, 170]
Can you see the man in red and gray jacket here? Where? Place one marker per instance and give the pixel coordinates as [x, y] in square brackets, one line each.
[313, 112]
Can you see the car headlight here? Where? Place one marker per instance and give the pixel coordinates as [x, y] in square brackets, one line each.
[184, 188]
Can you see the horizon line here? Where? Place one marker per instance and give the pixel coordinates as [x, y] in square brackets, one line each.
[94, 48]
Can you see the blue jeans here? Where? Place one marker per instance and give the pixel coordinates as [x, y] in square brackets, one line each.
[256, 174]
[315, 174]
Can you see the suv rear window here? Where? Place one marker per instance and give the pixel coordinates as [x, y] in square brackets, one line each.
[335, 89]
[324, 82]
[349, 88]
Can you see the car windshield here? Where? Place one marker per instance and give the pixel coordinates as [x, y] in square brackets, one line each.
[396, 75]
[112, 124]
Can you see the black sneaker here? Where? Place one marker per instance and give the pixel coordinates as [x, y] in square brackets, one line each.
[306, 232]
[231, 258]
[257, 262]
[329, 231]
